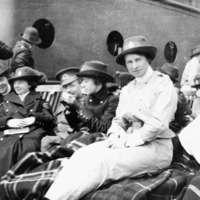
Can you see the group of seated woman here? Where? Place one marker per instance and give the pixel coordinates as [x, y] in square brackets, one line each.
[135, 125]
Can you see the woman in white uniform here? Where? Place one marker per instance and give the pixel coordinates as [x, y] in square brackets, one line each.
[139, 139]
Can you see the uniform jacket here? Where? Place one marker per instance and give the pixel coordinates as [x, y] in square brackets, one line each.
[22, 56]
[151, 100]
[14, 147]
[63, 128]
[97, 113]
[181, 117]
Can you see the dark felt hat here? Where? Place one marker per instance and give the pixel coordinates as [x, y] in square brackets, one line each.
[134, 45]
[31, 35]
[67, 75]
[95, 69]
[170, 70]
[25, 73]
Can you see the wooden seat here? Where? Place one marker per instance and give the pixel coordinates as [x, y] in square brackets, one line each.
[122, 78]
[51, 92]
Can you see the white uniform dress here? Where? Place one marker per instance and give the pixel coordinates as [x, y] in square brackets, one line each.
[151, 99]
[191, 71]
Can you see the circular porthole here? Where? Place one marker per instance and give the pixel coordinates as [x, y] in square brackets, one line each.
[170, 52]
[114, 42]
[46, 32]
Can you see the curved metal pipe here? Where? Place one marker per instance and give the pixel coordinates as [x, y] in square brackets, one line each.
[179, 5]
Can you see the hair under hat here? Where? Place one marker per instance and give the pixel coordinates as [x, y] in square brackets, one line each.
[95, 69]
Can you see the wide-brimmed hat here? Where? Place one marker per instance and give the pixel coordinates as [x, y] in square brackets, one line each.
[67, 75]
[95, 69]
[31, 35]
[25, 73]
[134, 45]
[170, 70]
[195, 51]
[4, 70]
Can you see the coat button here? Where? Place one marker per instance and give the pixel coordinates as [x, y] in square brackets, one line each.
[1, 139]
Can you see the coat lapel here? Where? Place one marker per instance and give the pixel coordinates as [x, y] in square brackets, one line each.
[14, 98]
[32, 96]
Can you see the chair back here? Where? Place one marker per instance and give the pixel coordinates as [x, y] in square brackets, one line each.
[51, 92]
[122, 78]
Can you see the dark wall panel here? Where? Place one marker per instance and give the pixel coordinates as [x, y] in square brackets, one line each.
[82, 27]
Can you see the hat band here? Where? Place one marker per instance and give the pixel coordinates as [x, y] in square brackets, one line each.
[130, 45]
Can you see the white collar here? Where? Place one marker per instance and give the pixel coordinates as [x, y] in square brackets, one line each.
[146, 76]
[22, 97]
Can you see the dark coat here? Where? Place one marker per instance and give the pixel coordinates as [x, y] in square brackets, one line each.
[14, 147]
[181, 115]
[22, 56]
[97, 113]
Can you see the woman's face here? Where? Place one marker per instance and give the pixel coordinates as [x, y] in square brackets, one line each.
[21, 87]
[137, 65]
[88, 86]
[4, 85]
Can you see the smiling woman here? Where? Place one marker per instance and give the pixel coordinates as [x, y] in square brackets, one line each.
[24, 118]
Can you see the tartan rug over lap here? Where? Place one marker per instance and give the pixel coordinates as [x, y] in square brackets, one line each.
[192, 191]
[31, 177]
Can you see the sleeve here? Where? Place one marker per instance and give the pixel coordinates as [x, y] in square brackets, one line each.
[22, 58]
[3, 118]
[193, 71]
[118, 125]
[45, 118]
[85, 117]
[155, 118]
[101, 125]
[156, 122]
[71, 115]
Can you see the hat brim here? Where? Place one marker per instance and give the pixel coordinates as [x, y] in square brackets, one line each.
[164, 72]
[34, 42]
[150, 51]
[32, 78]
[194, 55]
[76, 69]
[69, 81]
[96, 74]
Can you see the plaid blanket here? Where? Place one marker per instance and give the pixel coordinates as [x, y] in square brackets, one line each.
[192, 191]
[165, 185]
[32, 176]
